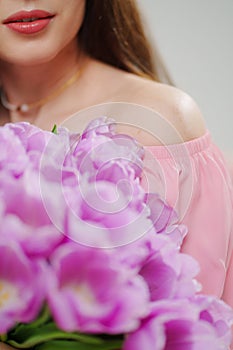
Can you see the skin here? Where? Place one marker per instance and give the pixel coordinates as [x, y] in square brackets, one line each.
[5, 347]
[49, 58]
[46, 59]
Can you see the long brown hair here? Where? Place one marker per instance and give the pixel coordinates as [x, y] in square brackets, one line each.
[113, 32]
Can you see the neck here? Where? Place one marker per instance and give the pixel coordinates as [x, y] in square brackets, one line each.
[27, 84]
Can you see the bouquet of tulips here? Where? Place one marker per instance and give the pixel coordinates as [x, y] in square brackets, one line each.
[88, 259]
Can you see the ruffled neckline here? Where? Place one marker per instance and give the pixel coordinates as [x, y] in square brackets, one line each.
[182, 149]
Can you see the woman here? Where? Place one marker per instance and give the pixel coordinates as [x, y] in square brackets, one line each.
[57, 58]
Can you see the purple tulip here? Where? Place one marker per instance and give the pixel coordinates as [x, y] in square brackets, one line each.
[13, 156]
[88, 292]
[63, 196]
[100, 148]
[218, 314]
[175, 325]
[165, 219]
[25, 218]
[169, 274]
[21, 287]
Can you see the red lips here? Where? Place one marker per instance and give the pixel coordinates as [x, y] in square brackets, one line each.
[29, 22]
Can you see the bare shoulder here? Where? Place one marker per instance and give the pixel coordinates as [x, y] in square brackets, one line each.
[174, 105]
[177, 110]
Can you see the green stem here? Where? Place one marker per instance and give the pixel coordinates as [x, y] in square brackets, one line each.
[3, 337]
[43, 318]
[52, 336]
[54, 129]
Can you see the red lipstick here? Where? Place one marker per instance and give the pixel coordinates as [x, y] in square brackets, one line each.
[29, 22]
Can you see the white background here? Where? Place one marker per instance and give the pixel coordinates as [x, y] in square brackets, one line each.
[195, 38]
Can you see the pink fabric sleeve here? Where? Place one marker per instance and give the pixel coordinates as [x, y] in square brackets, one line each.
[193, 178]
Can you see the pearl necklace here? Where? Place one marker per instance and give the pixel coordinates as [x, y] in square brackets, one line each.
[26, 107]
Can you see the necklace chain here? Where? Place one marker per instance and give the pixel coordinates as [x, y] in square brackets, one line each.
[25, 107]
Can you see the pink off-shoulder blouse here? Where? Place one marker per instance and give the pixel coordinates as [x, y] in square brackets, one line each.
[193, 177]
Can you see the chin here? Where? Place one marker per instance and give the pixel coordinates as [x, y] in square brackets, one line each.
[38, 51]
[31, 61]
[29, 56]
